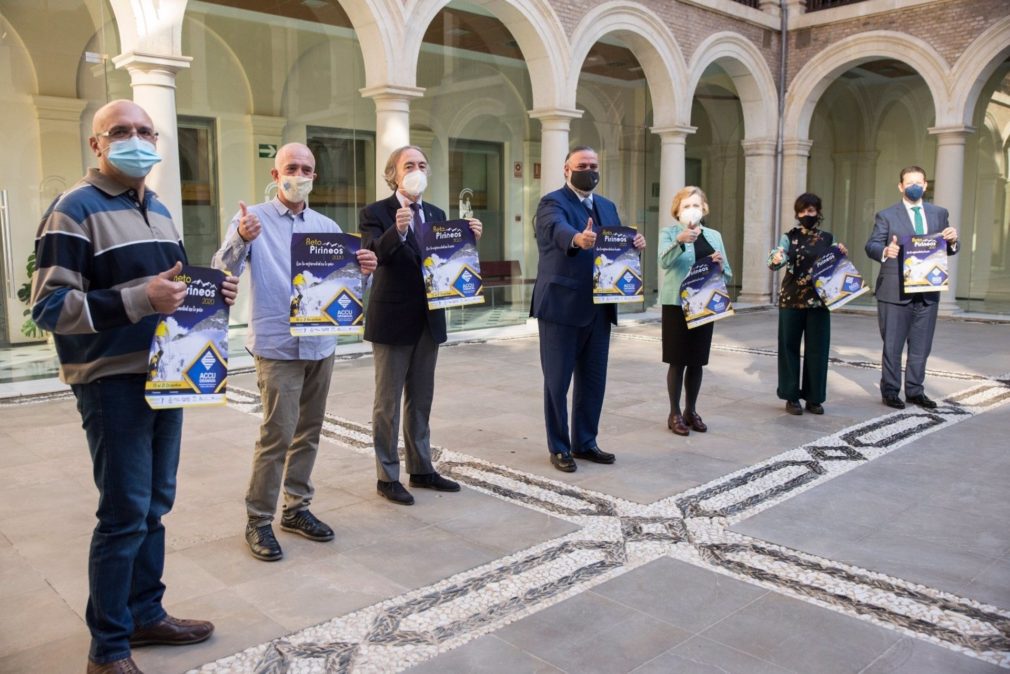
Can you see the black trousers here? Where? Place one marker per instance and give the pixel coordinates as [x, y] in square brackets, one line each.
[812, 327]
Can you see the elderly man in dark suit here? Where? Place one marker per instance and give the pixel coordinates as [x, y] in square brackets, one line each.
[574, 332]
[905, 318]
[404, 332]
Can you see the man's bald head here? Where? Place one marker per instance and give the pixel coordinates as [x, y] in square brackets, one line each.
[294, 154]
[120, 113]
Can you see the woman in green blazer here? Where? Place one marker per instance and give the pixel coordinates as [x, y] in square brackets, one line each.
[686, 351]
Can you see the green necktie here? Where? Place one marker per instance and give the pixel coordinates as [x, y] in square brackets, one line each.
[920, 226]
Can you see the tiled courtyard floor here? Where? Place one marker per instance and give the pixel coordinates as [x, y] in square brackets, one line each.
[865, 540]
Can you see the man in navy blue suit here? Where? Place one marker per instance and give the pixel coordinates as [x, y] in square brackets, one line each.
[906, 319]
[574, 332]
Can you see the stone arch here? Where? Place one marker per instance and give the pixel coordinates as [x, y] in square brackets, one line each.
[533, 24]
[976, 64]
[234, 61]
[652, 43]
[751, 76]
[824, 68]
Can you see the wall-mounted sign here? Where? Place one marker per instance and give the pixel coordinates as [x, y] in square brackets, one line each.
[536, 170]
[517, 169]
[267, 151]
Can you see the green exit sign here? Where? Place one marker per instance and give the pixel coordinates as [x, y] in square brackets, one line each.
[267, 151]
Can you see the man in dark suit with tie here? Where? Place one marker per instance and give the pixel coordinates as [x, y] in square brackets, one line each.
[404, 332]
[906, 318]
[574, 332]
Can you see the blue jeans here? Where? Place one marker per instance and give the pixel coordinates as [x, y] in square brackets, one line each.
[135, 454]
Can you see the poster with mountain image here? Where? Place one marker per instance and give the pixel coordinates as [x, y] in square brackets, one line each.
[617, 267]
[924, 263]
[836, 279]
[703, 294]
[451, 265]
[188, 360]
[326, 285]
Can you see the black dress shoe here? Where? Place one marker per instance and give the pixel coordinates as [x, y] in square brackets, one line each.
[793, 407]
[171, 631]
[923, 401]
[594, 454]
[893, 401]
[563, 462]
[262, 543]
[433, 481]
[394, 491]
[305, 523]
[814, 408]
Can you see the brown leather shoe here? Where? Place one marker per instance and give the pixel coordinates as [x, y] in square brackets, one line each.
[171, 631]
[675, 423]
[694, 421]
[124, 666]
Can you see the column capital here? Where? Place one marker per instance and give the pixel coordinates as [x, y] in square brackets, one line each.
[152, 69]
[391, 92]
[555, 118]
[797, 147]
[951, 135]
[673, 134]
[770, 7]
[58, 108]
[267, 125]
[758, 147]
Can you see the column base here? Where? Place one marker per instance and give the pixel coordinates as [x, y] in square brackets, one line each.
[754, 298]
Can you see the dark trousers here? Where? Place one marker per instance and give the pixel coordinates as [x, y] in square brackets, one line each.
[135, 455]
[406, 371]
[567, 351]
[913, 324]
[812, 327]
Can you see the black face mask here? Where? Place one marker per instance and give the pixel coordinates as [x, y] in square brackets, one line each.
[585, 180]
[809, 221]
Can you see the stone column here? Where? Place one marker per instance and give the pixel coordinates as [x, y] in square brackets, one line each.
[948, 191]
[795, 155]
[554, 126]
[759, 223]
[392, 124]
[153, 80]
[671, 166]
[772, 7]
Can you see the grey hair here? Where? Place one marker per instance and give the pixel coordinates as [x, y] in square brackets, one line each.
[389, 174]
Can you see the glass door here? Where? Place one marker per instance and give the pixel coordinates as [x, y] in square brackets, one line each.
[201, 226]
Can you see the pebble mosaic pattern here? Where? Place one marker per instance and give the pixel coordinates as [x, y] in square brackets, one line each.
[617, 535]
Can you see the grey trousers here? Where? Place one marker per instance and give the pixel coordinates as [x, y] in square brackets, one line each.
[914, 324]
[407, 371]
[293, 394]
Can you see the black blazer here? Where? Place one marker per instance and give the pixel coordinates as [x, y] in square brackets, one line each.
[397, 308]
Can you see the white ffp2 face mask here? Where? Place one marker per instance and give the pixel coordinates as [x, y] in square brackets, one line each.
[690, 216]
[414, 183]
[294, 188]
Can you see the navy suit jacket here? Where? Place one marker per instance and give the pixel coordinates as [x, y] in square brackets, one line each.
[894, 221]
[398, 303]
[564, 288]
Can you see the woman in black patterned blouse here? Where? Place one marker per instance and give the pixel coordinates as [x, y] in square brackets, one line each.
[802, 314]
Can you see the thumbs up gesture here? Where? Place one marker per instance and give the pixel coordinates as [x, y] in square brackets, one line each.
[165, 293]
[892, 249]
[248, 224]
[403, 219]
[586, 239]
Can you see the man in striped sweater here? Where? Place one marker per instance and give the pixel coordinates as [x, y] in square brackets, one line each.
[107, 252]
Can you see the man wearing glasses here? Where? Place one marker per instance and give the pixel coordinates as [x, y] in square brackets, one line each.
[107, 253]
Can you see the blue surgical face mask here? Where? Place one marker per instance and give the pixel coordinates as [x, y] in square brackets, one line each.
[914, 192]
[133, 156]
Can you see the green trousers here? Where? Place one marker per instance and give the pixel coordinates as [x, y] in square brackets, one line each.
[812, 327]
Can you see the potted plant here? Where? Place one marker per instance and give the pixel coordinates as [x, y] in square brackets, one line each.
[29, 328]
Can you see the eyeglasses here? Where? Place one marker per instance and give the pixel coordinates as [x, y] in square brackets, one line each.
[124, 132]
